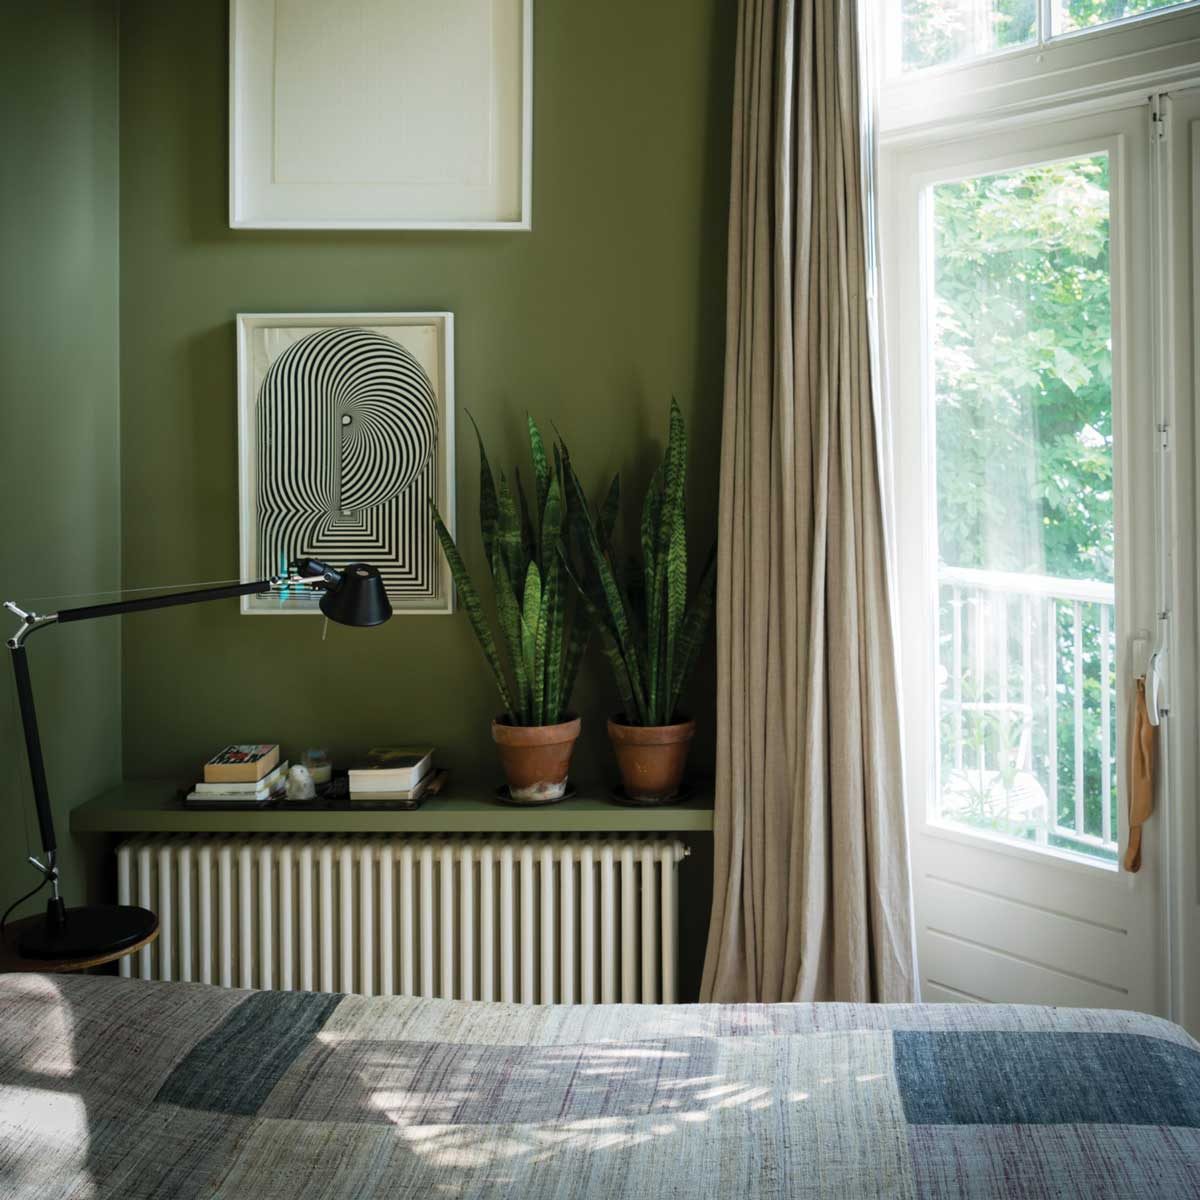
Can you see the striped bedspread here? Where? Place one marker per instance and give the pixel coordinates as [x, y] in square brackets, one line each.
[113, 1087]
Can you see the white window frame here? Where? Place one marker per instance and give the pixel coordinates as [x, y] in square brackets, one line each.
[1044, 37]
[1153, 50]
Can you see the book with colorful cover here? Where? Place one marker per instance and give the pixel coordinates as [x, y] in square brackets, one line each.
[246, 763]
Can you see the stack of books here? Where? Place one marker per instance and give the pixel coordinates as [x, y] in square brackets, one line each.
[395, 773]
[241, 777]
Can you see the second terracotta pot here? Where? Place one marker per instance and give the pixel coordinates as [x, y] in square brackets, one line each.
[536, 758]
[651, 758]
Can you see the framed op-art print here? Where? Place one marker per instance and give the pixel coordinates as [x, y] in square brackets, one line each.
[345, 435]
[380, 114]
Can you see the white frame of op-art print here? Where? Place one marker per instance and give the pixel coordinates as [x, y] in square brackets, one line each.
[261, 338]
[326, 132]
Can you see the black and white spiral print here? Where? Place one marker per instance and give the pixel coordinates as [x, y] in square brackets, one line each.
[347, 429]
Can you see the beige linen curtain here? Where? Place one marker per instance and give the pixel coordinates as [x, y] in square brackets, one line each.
[811, 893]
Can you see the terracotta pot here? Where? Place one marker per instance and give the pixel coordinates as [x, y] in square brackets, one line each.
[651, 758]
[535, 758]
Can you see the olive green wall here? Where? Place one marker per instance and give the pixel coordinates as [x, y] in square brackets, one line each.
[59, 413]
[614, 302]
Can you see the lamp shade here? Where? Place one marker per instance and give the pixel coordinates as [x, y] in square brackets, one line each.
[358, 597]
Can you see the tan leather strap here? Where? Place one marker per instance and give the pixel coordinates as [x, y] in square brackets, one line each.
[1141, 776]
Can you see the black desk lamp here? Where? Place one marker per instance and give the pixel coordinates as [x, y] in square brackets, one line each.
[354, 596]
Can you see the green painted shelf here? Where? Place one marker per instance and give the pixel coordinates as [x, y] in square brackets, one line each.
[151, 806]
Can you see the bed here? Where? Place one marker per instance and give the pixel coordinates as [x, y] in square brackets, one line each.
[112, 1087]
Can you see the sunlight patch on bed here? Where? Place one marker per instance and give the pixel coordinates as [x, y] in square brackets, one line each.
[53, 1142]
[50, 1028]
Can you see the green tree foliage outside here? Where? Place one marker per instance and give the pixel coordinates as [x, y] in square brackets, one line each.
[936, 32]
[1022, 359]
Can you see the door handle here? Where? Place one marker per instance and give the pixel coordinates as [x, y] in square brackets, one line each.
[1154, 684]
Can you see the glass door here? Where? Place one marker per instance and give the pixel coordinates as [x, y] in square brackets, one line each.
[1016, 276]
[1019, 340]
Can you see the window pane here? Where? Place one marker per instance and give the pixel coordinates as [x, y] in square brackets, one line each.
[1083, 14]
[1022, 375]
[936, 32]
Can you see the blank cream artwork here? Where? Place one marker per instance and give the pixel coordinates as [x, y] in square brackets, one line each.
[380, 114]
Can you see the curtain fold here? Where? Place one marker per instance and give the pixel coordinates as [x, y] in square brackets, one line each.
[812, 896]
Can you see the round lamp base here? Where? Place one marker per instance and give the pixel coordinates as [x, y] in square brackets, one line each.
[89, 932]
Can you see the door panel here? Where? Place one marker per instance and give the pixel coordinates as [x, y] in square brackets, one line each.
[1021, 930]
[1016, 298]
[1002, 978]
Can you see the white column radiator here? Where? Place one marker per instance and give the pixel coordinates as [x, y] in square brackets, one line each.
[524, 920]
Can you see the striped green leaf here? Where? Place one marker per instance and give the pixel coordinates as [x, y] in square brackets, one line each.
[488, 507]
[552, 525]
[577, 638]
[540, 635]
[529, 535]
[531, 607]
[508, 545]
[554, 597]
[622, 677]
[617, 622]
[654, 582]
[541, 467]
[610, 649]
[474, 609]
[609, 511]
[579, 519]
[508, 614]
[651, 518]
[694, 631]
[670, 554]
[578, 634]
[675, 476]
[676, 589]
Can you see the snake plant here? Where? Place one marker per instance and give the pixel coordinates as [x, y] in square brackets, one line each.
[543, 636]
[650, 633]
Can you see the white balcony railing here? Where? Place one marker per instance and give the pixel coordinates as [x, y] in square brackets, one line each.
[1026, 708]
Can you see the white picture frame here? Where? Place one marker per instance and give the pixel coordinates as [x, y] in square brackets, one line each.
[392, 538]
[413, 115]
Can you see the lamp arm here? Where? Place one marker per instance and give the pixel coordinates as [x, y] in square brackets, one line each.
[170, 600]
[301, 572]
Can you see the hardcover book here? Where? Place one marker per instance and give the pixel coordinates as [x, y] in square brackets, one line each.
[431, 784]
[393, 768]
[257, 787]
[231, 800]
[241, 763]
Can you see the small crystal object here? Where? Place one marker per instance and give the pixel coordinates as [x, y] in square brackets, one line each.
[319, 767]
[300, 784]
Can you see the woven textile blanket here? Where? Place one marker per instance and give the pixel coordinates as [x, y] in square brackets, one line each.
[112, 1087]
